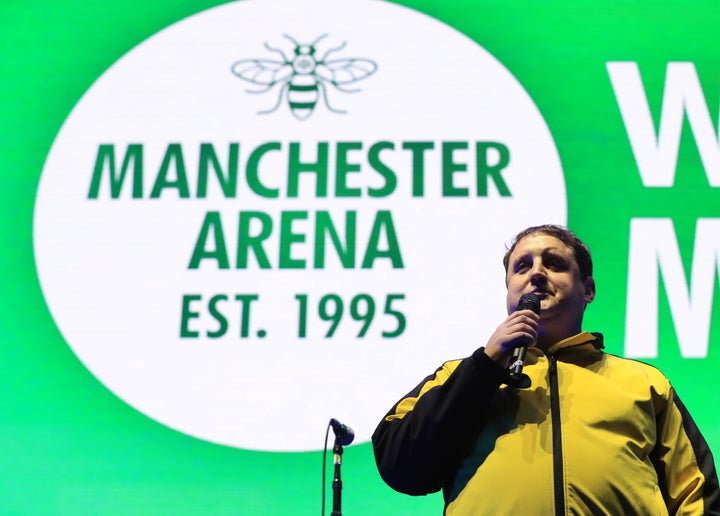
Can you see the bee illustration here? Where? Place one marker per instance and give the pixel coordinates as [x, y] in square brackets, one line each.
[304, 77]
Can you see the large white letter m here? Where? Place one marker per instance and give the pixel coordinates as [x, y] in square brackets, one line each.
[654, 250]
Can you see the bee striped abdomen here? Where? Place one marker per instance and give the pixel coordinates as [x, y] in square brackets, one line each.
[302, 95]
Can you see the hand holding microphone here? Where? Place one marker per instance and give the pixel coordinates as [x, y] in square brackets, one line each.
[517, 329]
[517, 361]
[513, 337]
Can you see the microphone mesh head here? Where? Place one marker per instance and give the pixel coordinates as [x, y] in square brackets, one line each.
[529, 302]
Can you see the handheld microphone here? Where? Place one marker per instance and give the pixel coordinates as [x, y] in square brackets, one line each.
[517, 361]
[343, 433]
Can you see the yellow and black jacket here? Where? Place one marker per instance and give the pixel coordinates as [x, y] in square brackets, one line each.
[593, 434]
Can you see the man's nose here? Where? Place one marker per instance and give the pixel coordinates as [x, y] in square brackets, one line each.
[538, 272]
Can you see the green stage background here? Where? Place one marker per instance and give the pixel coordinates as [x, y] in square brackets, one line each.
[71, 447]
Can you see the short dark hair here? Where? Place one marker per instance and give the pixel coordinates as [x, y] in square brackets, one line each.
[580, 250]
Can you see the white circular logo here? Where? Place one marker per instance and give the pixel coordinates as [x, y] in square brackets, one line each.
[271, 214]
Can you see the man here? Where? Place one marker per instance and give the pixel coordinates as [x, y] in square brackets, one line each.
[592, 434]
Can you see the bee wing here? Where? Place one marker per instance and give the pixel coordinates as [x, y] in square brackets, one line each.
[265, 72]
[346, 71]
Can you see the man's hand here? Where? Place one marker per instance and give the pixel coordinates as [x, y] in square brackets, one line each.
[519, 329]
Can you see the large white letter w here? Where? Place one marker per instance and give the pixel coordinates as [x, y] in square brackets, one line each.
[657, 157]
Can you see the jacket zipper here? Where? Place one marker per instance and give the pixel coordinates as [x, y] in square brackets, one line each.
[558, 477]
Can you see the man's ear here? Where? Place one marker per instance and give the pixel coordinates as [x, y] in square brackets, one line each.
[589, 290]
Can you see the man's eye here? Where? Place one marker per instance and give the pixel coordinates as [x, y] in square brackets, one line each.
[556, 263]
[521, 266]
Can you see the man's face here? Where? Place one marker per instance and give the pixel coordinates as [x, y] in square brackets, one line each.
[545, 266]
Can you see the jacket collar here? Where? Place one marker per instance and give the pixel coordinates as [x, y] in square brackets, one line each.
[583, 339]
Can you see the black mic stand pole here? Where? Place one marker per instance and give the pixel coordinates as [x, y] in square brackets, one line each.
[337, 481]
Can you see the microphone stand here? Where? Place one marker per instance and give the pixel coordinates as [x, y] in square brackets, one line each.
[337, 481]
